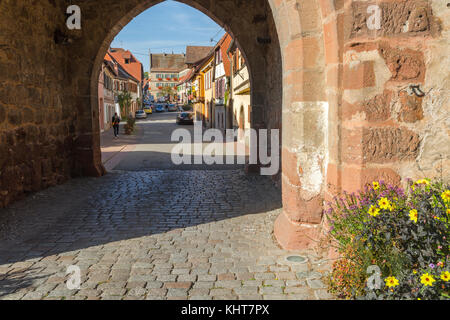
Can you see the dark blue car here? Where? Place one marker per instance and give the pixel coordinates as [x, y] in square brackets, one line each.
[160, 108]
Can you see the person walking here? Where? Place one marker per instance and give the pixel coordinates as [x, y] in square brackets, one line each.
[115, 122]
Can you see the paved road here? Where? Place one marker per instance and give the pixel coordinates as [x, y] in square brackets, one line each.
[153, 232]
[154, 147]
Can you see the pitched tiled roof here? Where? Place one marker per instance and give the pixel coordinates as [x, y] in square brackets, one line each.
[196, 53]
[110, 65]
[167, 62]
[121, 72]
[134, 68]
[187, 76]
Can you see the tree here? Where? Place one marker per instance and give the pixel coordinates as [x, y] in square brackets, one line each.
[124, 102]
[146, 75]
[167, 91]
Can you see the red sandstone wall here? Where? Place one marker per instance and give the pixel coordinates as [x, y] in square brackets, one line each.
[376, 127]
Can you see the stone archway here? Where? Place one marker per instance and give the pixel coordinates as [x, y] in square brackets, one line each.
[279, 79]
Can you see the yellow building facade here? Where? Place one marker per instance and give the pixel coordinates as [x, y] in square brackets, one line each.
[203, 86]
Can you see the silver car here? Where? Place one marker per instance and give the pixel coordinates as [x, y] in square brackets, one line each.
[140, 114]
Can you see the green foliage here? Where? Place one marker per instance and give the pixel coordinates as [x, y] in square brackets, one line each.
[404, 233]
[227, 96]
[130, 126]
[167, 91]
[124, 99]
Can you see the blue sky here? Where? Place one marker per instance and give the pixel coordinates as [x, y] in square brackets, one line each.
[166, 27]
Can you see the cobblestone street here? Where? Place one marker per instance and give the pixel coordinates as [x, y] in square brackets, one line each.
[139, 235]
[153, 234]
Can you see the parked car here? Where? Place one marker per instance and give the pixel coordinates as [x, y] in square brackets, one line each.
[160, 108]
[185, 118]
[172, 108]
[140, 114]
[148, 110]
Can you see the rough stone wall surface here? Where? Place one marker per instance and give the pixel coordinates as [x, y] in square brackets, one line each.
[432, 112]
[396, 120]
[36, 126]
[386, 93]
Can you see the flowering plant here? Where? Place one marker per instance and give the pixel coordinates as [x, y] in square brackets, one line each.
[404, 233]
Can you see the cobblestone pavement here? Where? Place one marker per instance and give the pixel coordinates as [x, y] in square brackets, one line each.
[153, 235]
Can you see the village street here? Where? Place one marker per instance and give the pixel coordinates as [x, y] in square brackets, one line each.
[151, 147]
[149, 230]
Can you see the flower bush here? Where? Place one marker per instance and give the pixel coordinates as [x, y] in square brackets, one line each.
[129, 126]
[402, 232]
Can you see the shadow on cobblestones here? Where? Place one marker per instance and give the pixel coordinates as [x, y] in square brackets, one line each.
[19, 280]
[90, 212]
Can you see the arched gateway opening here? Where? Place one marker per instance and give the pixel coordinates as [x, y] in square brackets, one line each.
[286, 88]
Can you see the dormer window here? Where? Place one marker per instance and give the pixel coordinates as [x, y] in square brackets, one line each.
[127, 61]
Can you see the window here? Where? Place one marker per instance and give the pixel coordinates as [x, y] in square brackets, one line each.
[220, 88]
[218, 56]
[210, 79]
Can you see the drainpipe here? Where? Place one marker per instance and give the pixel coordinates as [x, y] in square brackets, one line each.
[231, 93]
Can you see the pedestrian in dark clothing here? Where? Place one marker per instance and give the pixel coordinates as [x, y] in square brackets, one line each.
[115, 122]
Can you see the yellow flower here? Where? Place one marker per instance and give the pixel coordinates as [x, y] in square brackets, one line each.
[448, 211]
[445, 276]
[374, 211]
[423, 181]
[376, 185]
[392, 207]
[413, 215]
[446, 196]
[391, 282]
[384, 203]
[414, 271]
[427, 279]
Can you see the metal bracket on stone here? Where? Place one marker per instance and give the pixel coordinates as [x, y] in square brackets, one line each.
[417, 91]
[259, 18]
